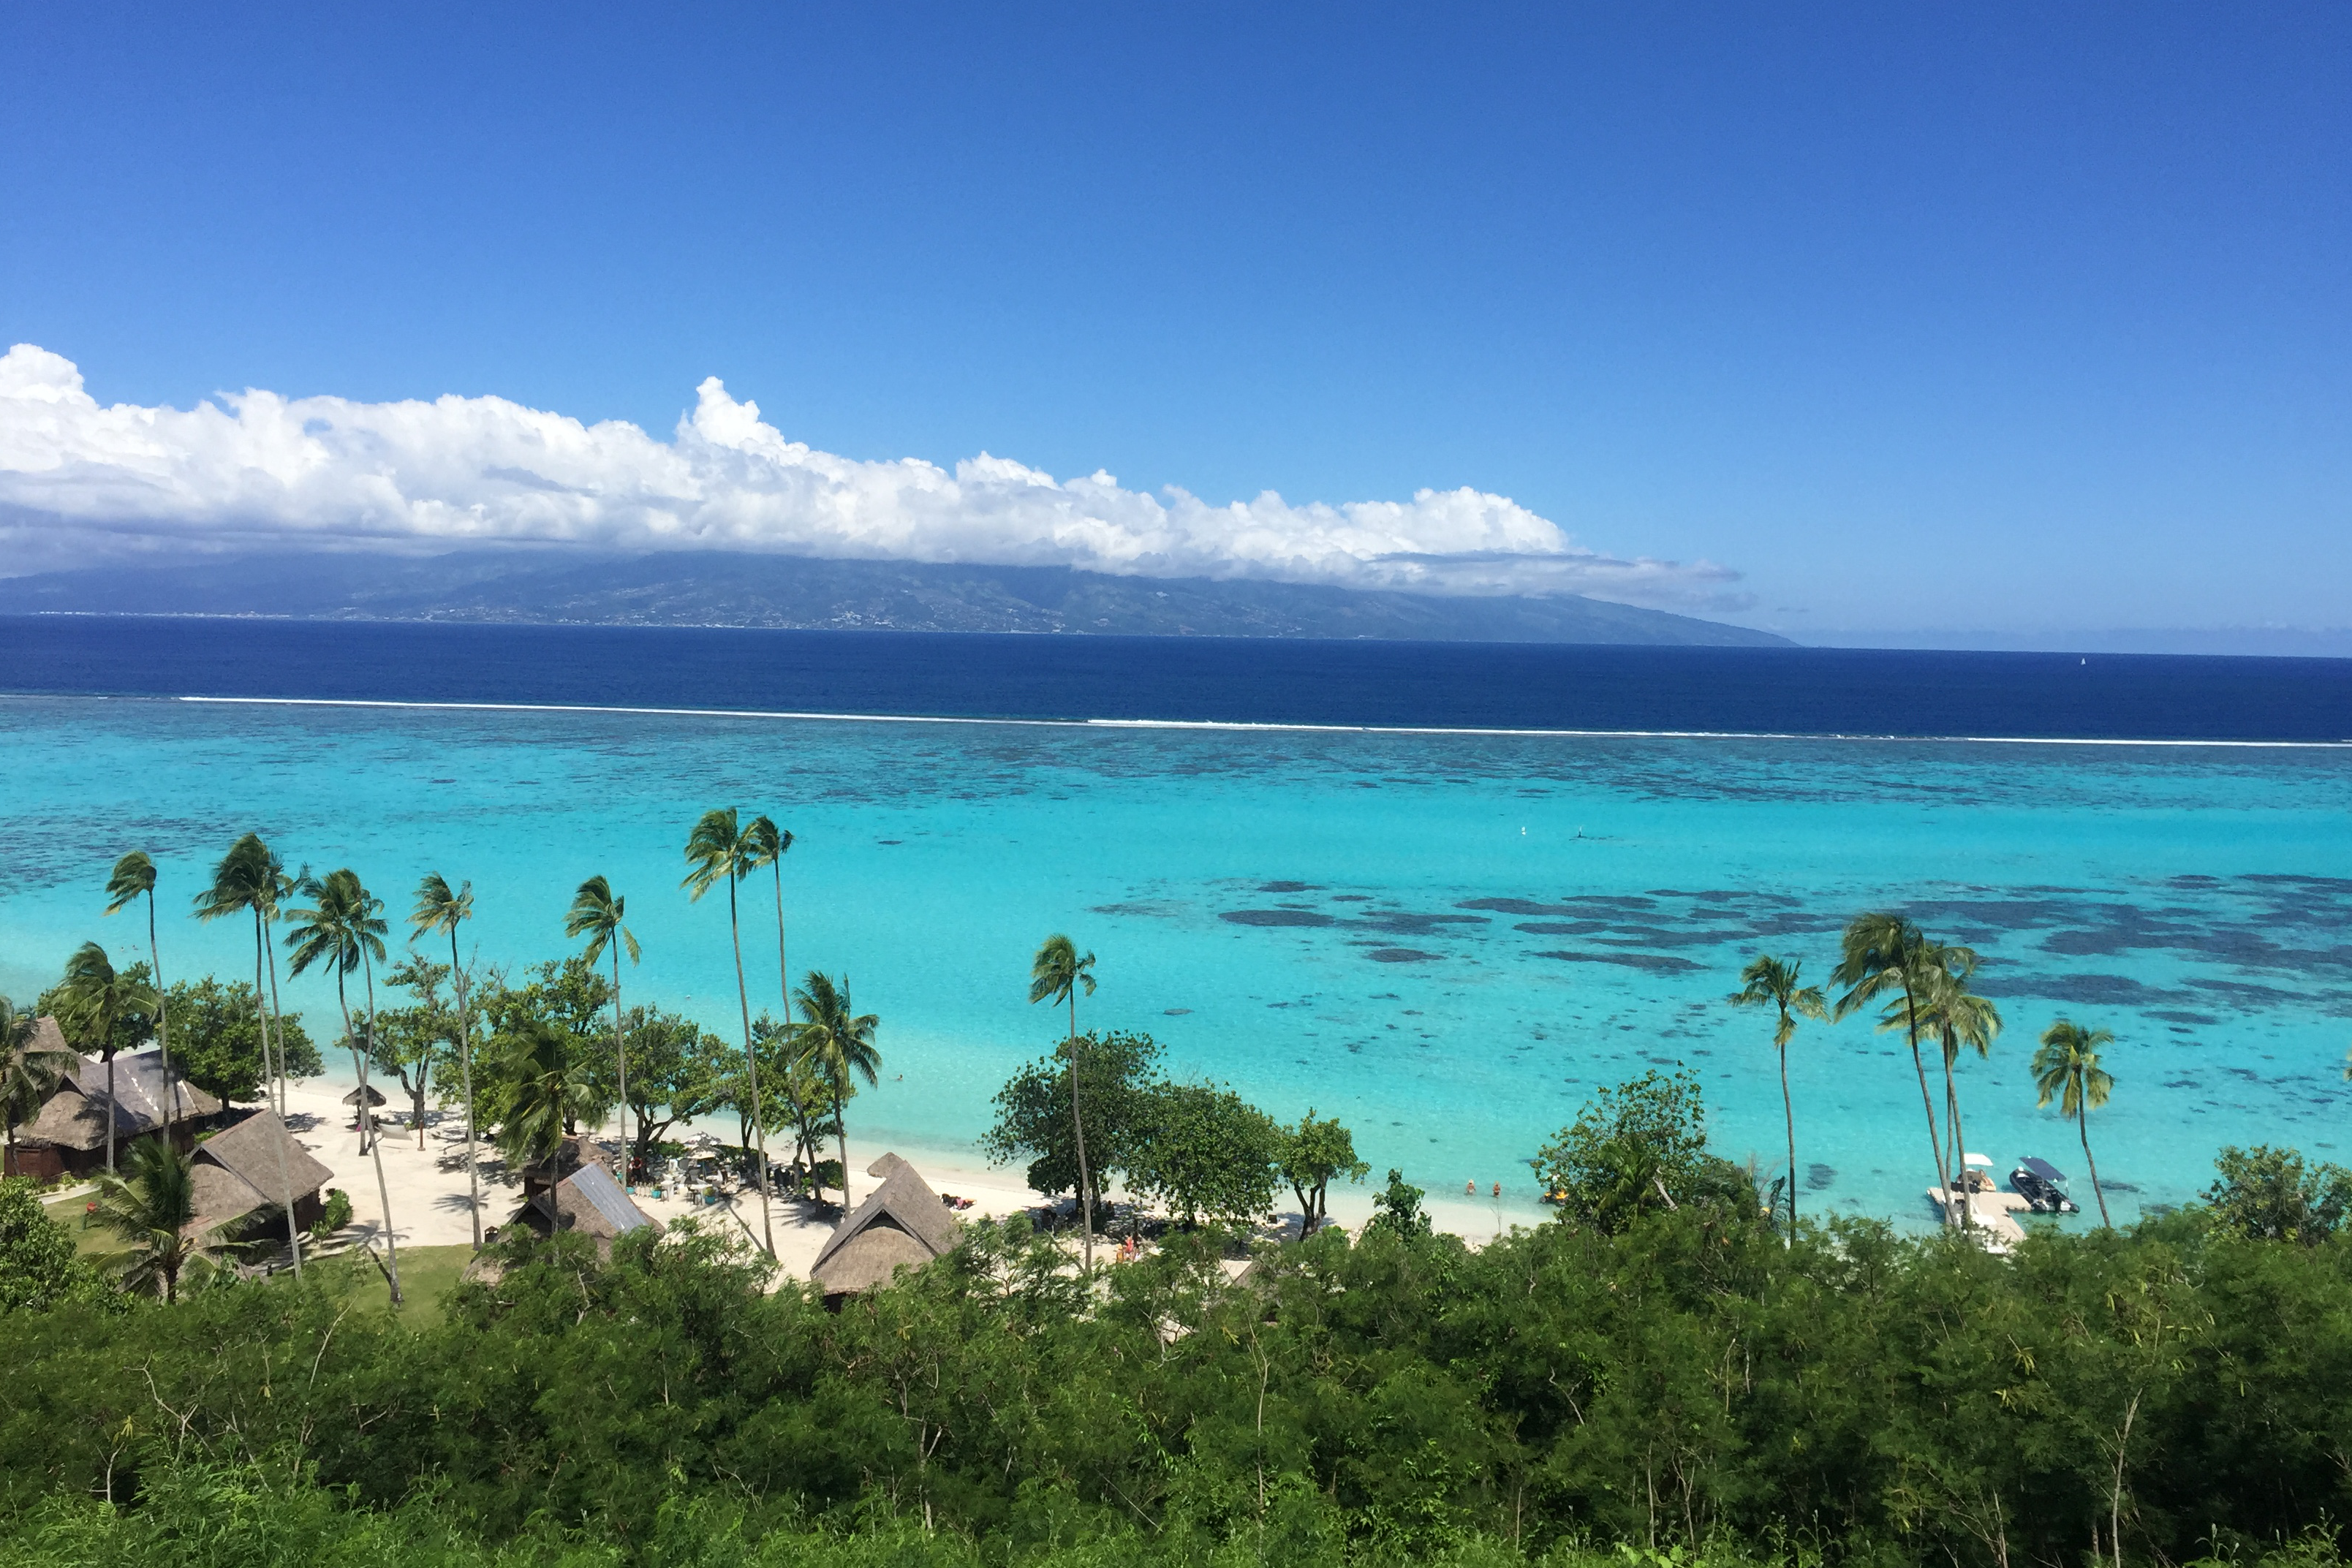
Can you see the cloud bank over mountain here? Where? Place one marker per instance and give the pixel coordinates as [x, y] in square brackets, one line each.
[80, 481]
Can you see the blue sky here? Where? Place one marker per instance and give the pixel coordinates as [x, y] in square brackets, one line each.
[2012, 321]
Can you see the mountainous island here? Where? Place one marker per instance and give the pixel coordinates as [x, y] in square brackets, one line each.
[708, 587]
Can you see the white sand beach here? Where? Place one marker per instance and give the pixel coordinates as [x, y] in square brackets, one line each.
[427, 1185]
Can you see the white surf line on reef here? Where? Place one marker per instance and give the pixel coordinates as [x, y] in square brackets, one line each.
[1246, 726]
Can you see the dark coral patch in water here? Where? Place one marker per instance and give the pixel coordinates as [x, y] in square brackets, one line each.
[1401, 956]
[1276, 917]
[1657, 963]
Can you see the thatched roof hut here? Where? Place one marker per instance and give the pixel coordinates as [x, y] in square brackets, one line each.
[69, 1136]
[238, 1174]
[902, 1224]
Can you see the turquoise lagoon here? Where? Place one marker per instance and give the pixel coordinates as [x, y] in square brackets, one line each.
[1448, 940]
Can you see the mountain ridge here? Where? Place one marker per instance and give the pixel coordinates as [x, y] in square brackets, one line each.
[711, 588]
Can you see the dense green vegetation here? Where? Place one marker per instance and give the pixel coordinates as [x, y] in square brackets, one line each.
[1690, 1376]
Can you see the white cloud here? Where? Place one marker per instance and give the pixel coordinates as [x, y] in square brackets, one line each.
[79, 480]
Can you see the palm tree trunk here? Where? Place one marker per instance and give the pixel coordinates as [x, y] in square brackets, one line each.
[1078, 1132]
[261, 1016]
[1959, 1134]
[752, 1062]
[278, 1013]
[367, 1125]
[841, 1133]
[110, 1107]
[2082, 1125]
[1928, 1105]
[465, 1077]
[163, 1023]
[621, 1056]
[1788, 1111]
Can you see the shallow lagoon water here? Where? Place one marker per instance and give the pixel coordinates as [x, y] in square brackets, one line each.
[1447, 940]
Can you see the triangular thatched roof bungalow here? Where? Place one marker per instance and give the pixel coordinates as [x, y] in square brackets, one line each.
[238, 1174]
[588, 1201]
[68, 1137]
[902, 1224]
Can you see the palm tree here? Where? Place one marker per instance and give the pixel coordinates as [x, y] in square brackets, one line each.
[274, 894]
[1054, 976]
[1963, 1019]
[27, 1076]
[2067, 1067]
[719, 850]
[152, 1209]
[767, 844]
[839, 1042]
[99, 1003]
[1771, 983]
[440, 910]
[344, 928]
[546, 1090]
[597, 913]
[134, 876]
[249, 880]
[1883, 953]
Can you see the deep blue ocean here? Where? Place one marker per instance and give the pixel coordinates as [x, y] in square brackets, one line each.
[1793, 691]
[1531, 872]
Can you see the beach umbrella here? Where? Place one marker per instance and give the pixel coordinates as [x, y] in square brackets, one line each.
[375, 1096]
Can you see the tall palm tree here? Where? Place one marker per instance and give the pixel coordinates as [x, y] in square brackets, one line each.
[838, 1041]
[29, 1075]
[1055, 974]
[151, 1209]
[768, 844]
[1770, 983]
[596, 913]
[1964, 1019]
[440, 910]
[133, 877]
[274, 894]
[717, 852]
[249, 881]
[2067, 1067]
[344, 928]
[101, 1002]
[1883, 953]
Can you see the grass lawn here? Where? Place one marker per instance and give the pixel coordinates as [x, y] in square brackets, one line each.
[428, 1275]
[95, 1241]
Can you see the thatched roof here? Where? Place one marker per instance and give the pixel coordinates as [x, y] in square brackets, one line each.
[901, 1224]
[237, 1171]
[75, 1116]
[375, 1096]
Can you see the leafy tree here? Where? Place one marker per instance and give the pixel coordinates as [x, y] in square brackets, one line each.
[838, 1039]
[440, 910]
[682, 1073]
[566, 995]
[597, 913]
[2067, 1069]
[251, 880]
[1883, 956]
[718, 851]
[2270, 1195]
[344, 928]
[1639, 1146]
[1310, 1157]
[797, 1094]
[102, 1010]
[151, 1209]
[134, 878]
[1398, 1210]
[1769, 982]
[221, 1051]
[1057, 974]
[1211, 1153]
[1033, 1123]
[39, 1266]
[27, 1076]
[412, 1043]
